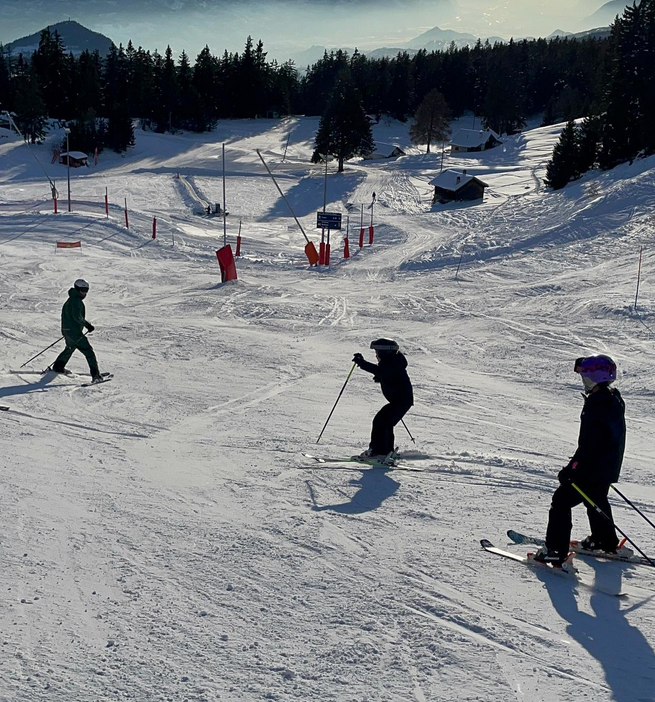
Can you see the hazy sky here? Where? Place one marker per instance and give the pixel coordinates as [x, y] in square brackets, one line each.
[289, 26]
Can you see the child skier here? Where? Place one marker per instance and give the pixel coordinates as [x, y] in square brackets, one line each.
[73, 323]
[594, 466]
[396, 387]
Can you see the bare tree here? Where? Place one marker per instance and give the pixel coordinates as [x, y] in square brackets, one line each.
[431, 121]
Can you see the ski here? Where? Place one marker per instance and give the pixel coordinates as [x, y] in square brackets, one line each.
[334, 463]
[575, 546]
[106, 377]
[569, 573]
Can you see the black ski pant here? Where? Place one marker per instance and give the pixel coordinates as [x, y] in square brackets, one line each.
[83, 346]
[558, 534]
[382, 439]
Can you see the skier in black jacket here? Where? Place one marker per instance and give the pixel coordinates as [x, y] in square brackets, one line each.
[594, 466]
[396, 387]
[73, 324]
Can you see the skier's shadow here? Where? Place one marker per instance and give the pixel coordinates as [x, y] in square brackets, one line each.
[375, 486]
[627, 658]
[25, 388]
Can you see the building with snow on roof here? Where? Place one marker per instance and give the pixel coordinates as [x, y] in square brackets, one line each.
[474, 140]
[452, 185]
[386, 151]
[77, 159]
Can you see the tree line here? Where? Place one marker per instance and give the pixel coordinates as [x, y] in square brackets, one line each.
[605, 79]
[623, 127]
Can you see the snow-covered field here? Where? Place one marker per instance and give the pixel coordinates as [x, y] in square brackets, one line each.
[162, 536]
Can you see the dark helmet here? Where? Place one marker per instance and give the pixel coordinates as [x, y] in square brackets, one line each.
[81, 285]
[598, 369]
[383, 346]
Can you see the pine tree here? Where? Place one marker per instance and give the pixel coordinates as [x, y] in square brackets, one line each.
[589, 139]
[400, 91]
[5, 100]
[120, 131]
[30, 108]
[431, 121]
[562, 168]
[344, 130]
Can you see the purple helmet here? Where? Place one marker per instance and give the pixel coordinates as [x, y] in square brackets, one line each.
[599, 369]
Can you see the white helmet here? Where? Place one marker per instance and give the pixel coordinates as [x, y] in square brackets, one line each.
[82, 285]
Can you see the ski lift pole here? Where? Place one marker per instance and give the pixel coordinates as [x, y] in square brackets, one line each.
[636, 509]
[611, 521]
[283, 196]
[224, 214]
[336, 403]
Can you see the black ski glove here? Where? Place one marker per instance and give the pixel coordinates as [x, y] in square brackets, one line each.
[90, 327]
[567, 475]
[358, 359]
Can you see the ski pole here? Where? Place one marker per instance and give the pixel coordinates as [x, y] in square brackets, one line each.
[335, 404]
[49, 368]
[44, 350]
[408, 431]
[611, 521]
[633, 506]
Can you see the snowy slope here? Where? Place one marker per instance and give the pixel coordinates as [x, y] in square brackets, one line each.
[163, 538]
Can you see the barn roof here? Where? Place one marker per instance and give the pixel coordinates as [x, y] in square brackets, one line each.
[454, 180]
[470, 138]
[75, 154]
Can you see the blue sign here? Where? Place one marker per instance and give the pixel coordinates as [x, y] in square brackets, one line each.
[328, 220]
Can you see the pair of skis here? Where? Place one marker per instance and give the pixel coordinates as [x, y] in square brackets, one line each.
[567, 570]
[346, 462]
[576, 547]
[105, 377]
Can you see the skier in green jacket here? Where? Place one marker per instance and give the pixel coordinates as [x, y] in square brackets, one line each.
[73, 323]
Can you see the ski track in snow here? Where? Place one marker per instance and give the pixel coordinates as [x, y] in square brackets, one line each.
[158, 538]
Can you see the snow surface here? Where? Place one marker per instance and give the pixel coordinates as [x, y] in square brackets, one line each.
[163, 538]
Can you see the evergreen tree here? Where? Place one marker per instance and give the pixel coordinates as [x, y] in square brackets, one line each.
[120, 131]
[5, 99]
[206, 87]
[431, 121]
[562, 168]
[51, 71]
[30, 108]
[400, 91]
[344, 130]
[589, 139]
[624, 114]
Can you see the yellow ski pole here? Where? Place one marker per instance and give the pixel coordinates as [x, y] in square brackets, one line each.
[600, 511]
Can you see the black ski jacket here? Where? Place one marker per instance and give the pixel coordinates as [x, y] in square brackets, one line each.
[391, 373]
[73, 315]
[602, 437]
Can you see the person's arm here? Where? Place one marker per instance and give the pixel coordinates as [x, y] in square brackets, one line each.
[365, 365]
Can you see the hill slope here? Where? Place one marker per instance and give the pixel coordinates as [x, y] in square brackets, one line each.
[162, 535]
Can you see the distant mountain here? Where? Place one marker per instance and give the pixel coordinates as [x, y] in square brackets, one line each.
[76, 39]
[605, 15]
[437, 39]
